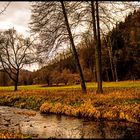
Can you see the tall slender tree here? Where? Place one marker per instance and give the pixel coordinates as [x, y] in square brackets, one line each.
[96, 31]
[74, 49]
[50, 20]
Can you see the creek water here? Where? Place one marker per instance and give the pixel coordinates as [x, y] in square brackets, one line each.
[60, 126]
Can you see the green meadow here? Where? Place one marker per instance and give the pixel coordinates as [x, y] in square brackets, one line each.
[91, 85]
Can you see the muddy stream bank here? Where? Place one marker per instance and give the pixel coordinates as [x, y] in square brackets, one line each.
[59, 126]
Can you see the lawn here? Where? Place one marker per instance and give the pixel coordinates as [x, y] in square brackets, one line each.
[91, 85]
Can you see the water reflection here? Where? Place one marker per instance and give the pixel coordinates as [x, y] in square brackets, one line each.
[57, 126]
[60, 126]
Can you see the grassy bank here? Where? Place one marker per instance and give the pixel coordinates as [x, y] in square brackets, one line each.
[12, 135]
[120, 100]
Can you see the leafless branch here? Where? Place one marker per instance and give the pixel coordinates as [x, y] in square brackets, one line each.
[5, 7]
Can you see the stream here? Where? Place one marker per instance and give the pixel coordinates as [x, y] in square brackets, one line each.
[60, 126]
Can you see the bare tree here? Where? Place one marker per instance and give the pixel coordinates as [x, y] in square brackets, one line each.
[96, 31]
[4, 8]
[47, 21]
[74, 49]
[50, 20]
[15, 52]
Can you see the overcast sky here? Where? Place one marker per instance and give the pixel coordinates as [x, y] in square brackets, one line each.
[17, 15]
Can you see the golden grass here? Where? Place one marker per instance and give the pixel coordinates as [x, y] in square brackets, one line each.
[12, 135]
[29, 113]
[116, 103]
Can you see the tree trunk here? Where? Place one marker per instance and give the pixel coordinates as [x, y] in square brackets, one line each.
[109, 49]
[96, 31]
[16, 84]
[91, 72]
[107, 76]
[111, 63]
[16, 81]
[4, 79]
[83, 86]
[98, 49]
[116, 75]
[95, 76]
[115, 68]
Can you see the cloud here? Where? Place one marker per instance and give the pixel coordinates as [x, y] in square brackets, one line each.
[17, 14]
[20, 29]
